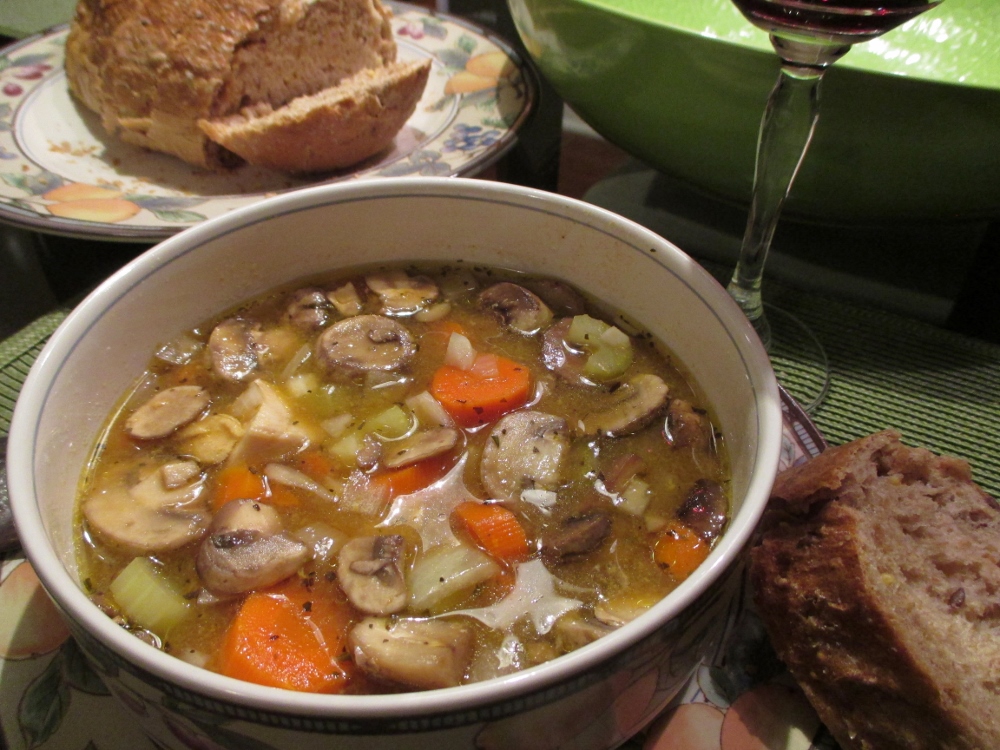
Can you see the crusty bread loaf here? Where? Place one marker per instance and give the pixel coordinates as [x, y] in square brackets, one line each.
[333, 129]
[877, 574]
[158, 71]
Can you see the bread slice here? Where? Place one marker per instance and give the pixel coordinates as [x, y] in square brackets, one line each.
[152, 69]
[333, 129]
[877, 575]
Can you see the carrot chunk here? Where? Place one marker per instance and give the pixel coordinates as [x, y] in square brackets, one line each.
[414, 477]
[679, 550]
[478, 396]
[494, 528]
[238, 482]
[283, 637]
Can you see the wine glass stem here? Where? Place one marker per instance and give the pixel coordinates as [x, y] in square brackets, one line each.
[785, 131]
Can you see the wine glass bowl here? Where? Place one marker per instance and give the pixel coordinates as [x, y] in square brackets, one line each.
[831, 22]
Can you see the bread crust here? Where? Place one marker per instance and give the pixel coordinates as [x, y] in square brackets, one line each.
[877, 575]
[153, 68]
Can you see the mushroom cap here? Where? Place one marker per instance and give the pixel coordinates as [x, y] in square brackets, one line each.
[419, 446]
[364, 343]
[524, 451]
[520, 308]
[234, 356]
[246, 549]
[369, 572]
[423, 654]
[637, 403]
[402, 293]
[167, 411]
[148, 516]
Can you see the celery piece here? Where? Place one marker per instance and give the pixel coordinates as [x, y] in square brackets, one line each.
[445, 571]
[147, 598]
[390, 424]
[585, 331]
[346, 449]
[607, 362]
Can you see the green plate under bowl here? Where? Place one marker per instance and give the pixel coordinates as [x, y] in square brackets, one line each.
[909, 125]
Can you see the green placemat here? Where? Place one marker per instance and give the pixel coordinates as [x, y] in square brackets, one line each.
[940, 389]
[17, 354]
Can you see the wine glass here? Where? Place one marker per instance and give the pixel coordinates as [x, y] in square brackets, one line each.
[809, 36]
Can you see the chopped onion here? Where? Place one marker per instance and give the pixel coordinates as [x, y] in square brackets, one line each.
[615, 337]
[486, 366]
[434, 312]
[301, 384]
[298, 359]
[337, 426]
[634, 498]
[543, 499]
[460, 353]
[281, 474]
[181, 350]
[429, 411]
[324, 540]
[447, 570]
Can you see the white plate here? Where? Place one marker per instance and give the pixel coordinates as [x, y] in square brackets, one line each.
[113, 191]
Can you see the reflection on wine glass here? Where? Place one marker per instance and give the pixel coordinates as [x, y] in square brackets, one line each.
[809, 36]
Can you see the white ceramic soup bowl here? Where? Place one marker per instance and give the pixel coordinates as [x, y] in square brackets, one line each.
[594, 697]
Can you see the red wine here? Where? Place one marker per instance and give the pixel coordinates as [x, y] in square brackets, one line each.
[846, 21]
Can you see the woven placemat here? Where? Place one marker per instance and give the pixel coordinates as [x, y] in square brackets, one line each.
[17, 354]
[939, 389]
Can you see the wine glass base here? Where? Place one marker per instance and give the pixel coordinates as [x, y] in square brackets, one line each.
[798, 358]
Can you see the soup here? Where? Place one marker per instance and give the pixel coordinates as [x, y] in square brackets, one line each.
[399, 479]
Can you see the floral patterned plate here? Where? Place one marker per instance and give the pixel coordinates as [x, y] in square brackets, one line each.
[744, 700]
[60, 173]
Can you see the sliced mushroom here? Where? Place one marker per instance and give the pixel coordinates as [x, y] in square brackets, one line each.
[346, 299]
[520, 308]
[577, 535]
[247, 549]
[234, 356]
[575, 630]
[365, 343]
[272, 432]
[401, 293]
[636, 403]
[309, 309]
[424, 654]
[210, 440]
[149, 516]
[560, 357]
[370, 572]
[559, 296]
[687, 426]
[524, 451]
[420, 446]
[167, 411]
[704, 509]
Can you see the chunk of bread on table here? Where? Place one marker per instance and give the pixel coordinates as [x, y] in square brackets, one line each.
[214, 82]
[877, 575]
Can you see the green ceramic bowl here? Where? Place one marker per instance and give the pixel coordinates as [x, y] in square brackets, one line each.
[909, 125]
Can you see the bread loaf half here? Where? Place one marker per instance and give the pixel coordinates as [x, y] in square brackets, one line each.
[877, 575]
[168, 74]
